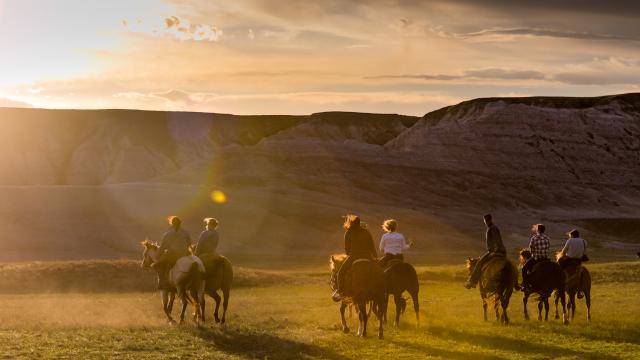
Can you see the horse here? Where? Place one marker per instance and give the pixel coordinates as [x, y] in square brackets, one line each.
[546, 276]
[189, 288]
[365, 283]
[219, 276]
[578, 282]
[497, 280]
[400, 277]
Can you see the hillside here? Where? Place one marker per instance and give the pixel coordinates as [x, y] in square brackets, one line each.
[92, 183]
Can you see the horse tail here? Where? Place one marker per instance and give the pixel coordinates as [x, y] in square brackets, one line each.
[508, 281]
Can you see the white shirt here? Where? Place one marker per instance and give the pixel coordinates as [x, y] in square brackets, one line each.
[575, 248]
[393, 243]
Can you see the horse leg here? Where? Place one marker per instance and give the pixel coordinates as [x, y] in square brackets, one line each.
[172, 297]
[546, 309]
[416, 307]
[397, 298]
[572, 301]
[345, 328]
[587, 300]
[484, 308]
[386, 306]
[496, 307]
[362, 308]
[217, 299]
[380, 331]
[525, 299]
[185, 302]
[563, 301]
[505, 317]
[540, 304]
[166, 306]
[225, 303]
[556, 299]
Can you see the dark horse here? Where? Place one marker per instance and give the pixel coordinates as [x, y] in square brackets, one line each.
[364, 284]
[578, 282]
[546, 276]
[497, 281]
[400, 277]
[219, 276]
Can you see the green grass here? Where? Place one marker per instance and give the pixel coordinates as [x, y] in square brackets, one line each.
[300, 321]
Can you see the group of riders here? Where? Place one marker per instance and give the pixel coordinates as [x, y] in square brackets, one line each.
[176, 243]
[358, 244]
[573, 253]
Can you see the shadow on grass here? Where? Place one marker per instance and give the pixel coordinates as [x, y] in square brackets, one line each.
[515, 345]
[617, 332]
[255, 344]
[446, 354]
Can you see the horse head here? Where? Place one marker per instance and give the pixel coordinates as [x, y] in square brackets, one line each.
[150, 253]
[335, 262]
[525, 254]
[471, 263]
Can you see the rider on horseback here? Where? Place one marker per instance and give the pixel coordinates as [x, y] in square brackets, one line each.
[392, 244]
[174, 245]
[539, 248]
[207, 245]
[495, 247]
[358, 244]
[573, 254]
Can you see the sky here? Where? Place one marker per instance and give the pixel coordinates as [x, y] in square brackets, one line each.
[299, 57]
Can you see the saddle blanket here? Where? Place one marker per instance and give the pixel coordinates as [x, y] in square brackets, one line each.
[182, 266]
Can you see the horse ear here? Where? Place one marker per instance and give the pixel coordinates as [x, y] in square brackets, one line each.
[333, 259]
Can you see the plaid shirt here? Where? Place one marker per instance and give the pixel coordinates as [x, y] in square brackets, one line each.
[539, 246]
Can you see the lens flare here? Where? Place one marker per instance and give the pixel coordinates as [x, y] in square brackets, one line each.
[218, 197]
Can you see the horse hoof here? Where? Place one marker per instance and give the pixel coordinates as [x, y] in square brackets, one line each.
[345, 330]
[172, 322]
[380, 337]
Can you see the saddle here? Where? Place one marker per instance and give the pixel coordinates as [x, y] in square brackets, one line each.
[392, 263]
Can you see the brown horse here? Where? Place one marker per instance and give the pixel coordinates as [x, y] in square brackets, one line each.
[578, 282]
[364, 283]
[545, 278]
[400, 277]
[219, 276]
[189, 288]
[497, 281]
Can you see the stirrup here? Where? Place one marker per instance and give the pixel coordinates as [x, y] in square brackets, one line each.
[336, 296]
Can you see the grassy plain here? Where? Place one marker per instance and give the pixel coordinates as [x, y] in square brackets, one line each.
[297, 320]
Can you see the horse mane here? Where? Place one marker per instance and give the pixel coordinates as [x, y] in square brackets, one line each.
[525, 253]
[148, 244]
[336, 258]
[470, 261]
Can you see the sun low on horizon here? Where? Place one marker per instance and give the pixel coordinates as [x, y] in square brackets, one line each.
[283, 57]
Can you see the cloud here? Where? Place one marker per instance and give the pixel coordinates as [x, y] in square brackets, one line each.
[175, 27]
[599, 71]
[488, 73]
[5, 102]
[510, 34]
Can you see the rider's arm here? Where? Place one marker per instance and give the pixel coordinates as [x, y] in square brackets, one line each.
[405, 245]
[199, 245]
[382, 244]
[164, 243]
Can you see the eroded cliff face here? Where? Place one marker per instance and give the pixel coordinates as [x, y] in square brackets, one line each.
[288, 179]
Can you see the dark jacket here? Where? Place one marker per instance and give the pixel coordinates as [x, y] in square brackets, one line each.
[207, 243]
[358, 243]
[176, 242]
[494, 240]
